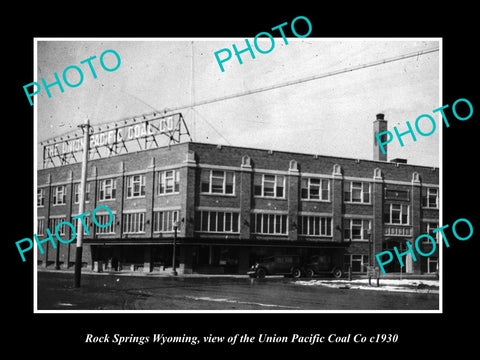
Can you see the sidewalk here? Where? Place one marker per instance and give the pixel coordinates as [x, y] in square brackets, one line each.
[425, 286]
[391, 282]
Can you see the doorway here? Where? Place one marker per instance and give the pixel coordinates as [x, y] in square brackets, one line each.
[394, 266]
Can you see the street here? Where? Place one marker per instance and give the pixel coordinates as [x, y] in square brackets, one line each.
[119, 292]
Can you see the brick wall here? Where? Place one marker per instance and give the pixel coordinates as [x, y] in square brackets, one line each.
[190, 158]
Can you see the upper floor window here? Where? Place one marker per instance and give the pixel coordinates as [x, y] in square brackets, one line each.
[54, 222]
[40, 197]
[41, 226]
[107, 189]
[217, 221]
[163, 221]
[105, 219]
[59, 193]
[86, 221]
[397, 214]
[135, 186]
[134, 223]
[168, 182]
[269, 185]
[430, 197]
[356, 192]
[315, 225]
[217, 181]
[76, 191]
[356, 229]
[430, 227]
[269, 224]
[315, 189]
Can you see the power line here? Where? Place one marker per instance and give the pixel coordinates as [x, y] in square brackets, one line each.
[288, 83]
[223, 137]
[310, 78]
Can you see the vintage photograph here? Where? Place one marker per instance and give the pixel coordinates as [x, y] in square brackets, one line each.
[212, 175]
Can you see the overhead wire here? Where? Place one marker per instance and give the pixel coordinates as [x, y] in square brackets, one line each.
[310, 78]
[194, 104]
[223, 137]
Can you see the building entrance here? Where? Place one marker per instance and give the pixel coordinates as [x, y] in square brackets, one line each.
[394, 266]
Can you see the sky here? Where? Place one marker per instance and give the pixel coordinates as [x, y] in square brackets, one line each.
[328, 116]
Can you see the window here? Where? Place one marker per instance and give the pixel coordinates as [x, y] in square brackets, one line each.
[54, 222]
[168, 182]
[86, 220]
[107, 189]
[432, 264]
[269, 224]
[217, 182]
[430, 198]
[356, 229]
[41, 226]
[104, 219]
[135, 186]
[315, 189]
[59, 195]
[134, 223]
[217, 221]
[40, 197]
[430, 227]
[269, 182]
[269, 185]
[398, 214]
[358, 263]
[315, 225]
[356, 192]
[163, 220]
[76, 192]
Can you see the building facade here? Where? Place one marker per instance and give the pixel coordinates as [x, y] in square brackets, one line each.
[233, 205]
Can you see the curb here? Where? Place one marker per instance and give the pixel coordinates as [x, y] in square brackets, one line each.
[345, 286]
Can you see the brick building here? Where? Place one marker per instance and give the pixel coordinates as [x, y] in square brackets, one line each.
[235, 205]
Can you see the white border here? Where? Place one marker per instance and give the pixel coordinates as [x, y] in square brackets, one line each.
[35, 136]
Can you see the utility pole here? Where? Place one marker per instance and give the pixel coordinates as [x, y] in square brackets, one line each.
[79, 250]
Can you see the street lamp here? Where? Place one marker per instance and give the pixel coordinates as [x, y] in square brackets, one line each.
[176, 224]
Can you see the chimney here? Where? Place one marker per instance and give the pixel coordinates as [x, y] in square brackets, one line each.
[379, 125]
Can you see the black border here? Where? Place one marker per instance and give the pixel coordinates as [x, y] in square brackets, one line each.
[418, 333]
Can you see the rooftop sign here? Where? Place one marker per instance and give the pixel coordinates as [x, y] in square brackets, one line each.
[151, 131]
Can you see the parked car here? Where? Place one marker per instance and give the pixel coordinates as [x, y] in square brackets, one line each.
[322, 264]
[289, 265]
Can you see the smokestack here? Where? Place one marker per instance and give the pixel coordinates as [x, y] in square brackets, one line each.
[379, 125]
